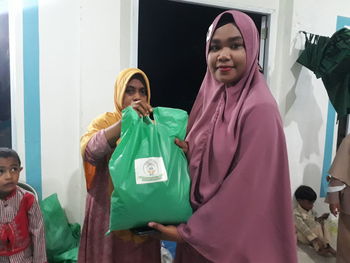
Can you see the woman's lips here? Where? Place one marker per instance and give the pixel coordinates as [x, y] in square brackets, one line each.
[225, 69]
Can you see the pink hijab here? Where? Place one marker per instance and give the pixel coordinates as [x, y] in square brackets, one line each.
[238, 164]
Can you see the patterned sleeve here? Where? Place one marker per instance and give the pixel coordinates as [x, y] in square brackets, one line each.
[36, 229]
[97, 148]
[302, 227]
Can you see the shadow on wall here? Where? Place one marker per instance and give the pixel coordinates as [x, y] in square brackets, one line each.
[297, 103]
[291, 95]
[295, 70]
[312, 175]
[305, 111]
[76, 192]
[283, 56]
[73, 195]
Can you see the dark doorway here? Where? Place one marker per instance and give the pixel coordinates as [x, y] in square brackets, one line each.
[171, 48]
[5, 98]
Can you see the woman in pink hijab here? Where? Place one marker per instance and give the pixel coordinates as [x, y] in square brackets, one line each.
[240, 190]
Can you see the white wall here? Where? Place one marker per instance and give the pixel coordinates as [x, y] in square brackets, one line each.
[84, 44]
[79, 61]
[302, 98]
[100, 57]
[59, 39]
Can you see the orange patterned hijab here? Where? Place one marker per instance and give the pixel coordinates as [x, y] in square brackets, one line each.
[109, 118]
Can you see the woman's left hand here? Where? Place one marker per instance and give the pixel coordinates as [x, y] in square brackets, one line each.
[182, 144]
[166, 232]
[334, 208]
[142, 108]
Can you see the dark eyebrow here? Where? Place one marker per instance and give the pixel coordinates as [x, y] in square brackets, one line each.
[238, 38]
[131, 86]
[231, 39]
[11, 166]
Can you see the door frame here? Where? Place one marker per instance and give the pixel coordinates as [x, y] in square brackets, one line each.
[269, 13]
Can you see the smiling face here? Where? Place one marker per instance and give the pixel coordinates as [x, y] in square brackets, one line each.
[9, 174]
[227, 56]
[135, 90]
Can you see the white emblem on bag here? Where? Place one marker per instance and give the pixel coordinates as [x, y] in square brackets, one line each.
[150, 170]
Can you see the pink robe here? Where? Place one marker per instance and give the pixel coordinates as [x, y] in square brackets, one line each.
[95, 246]
[238, 164]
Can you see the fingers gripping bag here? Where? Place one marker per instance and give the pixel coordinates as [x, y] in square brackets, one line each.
[149, 171]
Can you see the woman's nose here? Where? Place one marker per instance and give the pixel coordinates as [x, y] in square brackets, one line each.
[136, 96]
[224, 54]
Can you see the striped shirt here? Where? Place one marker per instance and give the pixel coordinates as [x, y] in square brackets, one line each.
[34, 253]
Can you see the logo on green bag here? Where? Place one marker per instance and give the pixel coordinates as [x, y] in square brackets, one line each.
[150, 170]
[151, 167]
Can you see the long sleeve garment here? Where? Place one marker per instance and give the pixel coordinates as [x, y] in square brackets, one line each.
[35, 252]
[240, 189]
[95, 245]
[305, 222]
[308, 228]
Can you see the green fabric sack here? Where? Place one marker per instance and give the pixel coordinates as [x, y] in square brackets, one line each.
[313, 53]
[329, 59]
[149, 171]
[62, 238]
[336, 63]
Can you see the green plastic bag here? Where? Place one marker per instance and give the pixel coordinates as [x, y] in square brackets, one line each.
[62, 238]
[149, 171]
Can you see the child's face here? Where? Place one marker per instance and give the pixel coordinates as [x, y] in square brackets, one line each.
[9, 174]
[306, 204]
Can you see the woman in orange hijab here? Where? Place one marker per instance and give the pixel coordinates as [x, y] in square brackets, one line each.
[97, 145]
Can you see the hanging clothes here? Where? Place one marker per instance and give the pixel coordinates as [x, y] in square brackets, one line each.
[329, 59]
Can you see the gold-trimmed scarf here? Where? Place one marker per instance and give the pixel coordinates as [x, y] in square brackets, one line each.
[104, 121]
[109, 118]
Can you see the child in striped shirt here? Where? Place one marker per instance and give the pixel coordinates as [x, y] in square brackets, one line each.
[22, 237]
